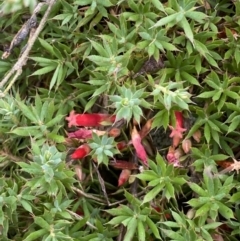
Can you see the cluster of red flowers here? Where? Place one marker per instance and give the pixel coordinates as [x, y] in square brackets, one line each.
[96, 120]
[175, 153]
[86, 120]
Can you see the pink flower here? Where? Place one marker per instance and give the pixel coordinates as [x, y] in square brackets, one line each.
[81, 134]
[84, 134]
[177, 131]
[114, 132]
[81, 152]
[140, 151]
[173, 156]
[121, 145]
[146, 128]
[187, 145]
[89, 120]
[124, 176]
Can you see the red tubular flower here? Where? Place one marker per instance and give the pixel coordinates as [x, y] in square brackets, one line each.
[114, 132]
[81, 152]
[170, 154]
[121, 145]
[146, 128]
[84, 134]
[81, 134]
[173, 156]
[119, 164]
[89, 120]
[159, 210]
[177, 131]
[124, 176]
[140, 151]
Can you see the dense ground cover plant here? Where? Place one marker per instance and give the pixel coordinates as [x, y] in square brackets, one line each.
[124, 122]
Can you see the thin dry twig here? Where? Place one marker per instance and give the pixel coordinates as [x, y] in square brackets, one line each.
[122, 233]
[23, 33]
[134, 185]
[101, 181]
[82, 193]
[133, 191]
[11, 157]
[78, 217]
[17, 68]
[139, 194]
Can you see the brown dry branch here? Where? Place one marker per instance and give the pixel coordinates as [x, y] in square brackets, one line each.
[17, 68]
[78, 217]
[134, 192]
[23, 33]
[82, 193]
[11, 157]
[134, 185]
[101, 181]
[122, 233]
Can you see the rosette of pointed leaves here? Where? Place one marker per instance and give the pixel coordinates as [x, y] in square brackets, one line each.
[135, 218]
[128, 103]
[163, 179]
[102, 147]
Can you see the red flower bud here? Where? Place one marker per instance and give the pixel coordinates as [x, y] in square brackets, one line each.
[81, 152]
[177, 131]
[124, 176]
[197, 136]
[140, 151]
[159, 210]
[186, 145]
[121, 145]
[114, 132]
[89, 120]
[170, 154]
[84, 133]
[79, 173]
[173, 156]
[119, 164]
[146, 128]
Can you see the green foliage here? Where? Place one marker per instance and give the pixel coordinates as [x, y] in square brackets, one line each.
[183, 228]
[13, 6]
[165, 180]
[47, 171]
[168, 97]
[213, 195]
[128, 104]
[100, 56]
[102, 148]
[135, 218]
